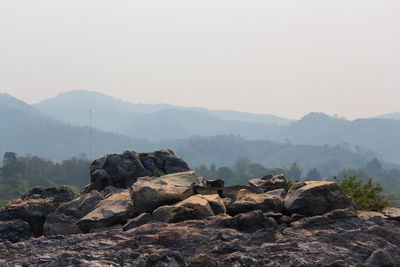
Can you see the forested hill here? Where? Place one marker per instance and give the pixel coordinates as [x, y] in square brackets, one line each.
[24, 130]
[161, 121]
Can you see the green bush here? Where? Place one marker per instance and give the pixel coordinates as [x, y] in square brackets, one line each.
[366, 196]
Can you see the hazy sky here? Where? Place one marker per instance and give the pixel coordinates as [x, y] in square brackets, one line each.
[282, 57]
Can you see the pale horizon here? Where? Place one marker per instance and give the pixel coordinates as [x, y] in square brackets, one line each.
[284, 58]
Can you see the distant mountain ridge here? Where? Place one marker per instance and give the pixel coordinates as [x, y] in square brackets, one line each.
[27, 131]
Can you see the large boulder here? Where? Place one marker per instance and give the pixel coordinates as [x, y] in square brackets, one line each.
[248, 201]
[316, 198]
[116, 209]
[36, 205]
[122, 170]
[149, 193]
[14, 231]
[62, 221]
[194, 207]
[269, 183]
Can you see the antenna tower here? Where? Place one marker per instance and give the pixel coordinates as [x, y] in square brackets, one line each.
[90, 134]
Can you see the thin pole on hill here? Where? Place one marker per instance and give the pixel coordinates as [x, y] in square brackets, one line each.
[90, 134]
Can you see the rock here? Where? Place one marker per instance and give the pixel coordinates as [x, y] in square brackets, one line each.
[277, 192]
[337, 238]
[247, 201]
[254, 220]
[35, 206]
[149, 193]
[218, 183]
[122, 170]
[393, 213]
[81, 206]
[138, 221]
[194, 207]
[57, 194]
[113, 210]
[14, 231]
[57, 225]
[216, 203]
[67, 214]
[315, 198]
[269, 183]
[173, 214]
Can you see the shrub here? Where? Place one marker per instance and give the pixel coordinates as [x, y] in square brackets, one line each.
[366, 196]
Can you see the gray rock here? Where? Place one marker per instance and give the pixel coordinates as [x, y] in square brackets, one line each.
[269, 183]
[113, 210]
[149, 193]
[315, 198]
[247, 201]
[337, 238]
[14, 231]
[57, 225]
[138, 221]
[194, 207]
[122, 170]
[35, 206]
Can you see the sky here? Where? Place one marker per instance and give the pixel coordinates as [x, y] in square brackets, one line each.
[286, 58]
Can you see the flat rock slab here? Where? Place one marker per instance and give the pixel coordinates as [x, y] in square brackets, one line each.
[113, 210]
[392, 213]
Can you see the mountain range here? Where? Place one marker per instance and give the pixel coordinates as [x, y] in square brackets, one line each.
[58, 129]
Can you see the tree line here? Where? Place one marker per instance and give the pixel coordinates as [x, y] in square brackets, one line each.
[19, 173]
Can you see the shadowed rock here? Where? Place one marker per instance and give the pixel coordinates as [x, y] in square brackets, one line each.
[36, 205]
[315, 198]
[122, 170]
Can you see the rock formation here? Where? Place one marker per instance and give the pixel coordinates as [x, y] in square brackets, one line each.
[149, 209]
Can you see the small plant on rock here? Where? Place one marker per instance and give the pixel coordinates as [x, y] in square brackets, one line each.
[367, 196]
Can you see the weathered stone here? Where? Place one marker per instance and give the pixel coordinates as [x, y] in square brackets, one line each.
[57, 225]
[254, 220]
[35, 205]
[113, 210]
[195, 207]
[216, 203]
[269, 183]
[67, 214]
[138, 221]
[393, 213]
[149, 193]
[247, 201]
[122, 170]
[218, 183]
[277, 192]
[315, 198]
[14, 231]
[337, 238]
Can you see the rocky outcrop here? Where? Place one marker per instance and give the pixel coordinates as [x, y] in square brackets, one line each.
[269, 183]
[180, 220]
[122, 170]
[338, 238]
[35, 206]
[149, 193]
[116, 209]
[316, 198]
[63, 220]
[14, 231]
[247, 201]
